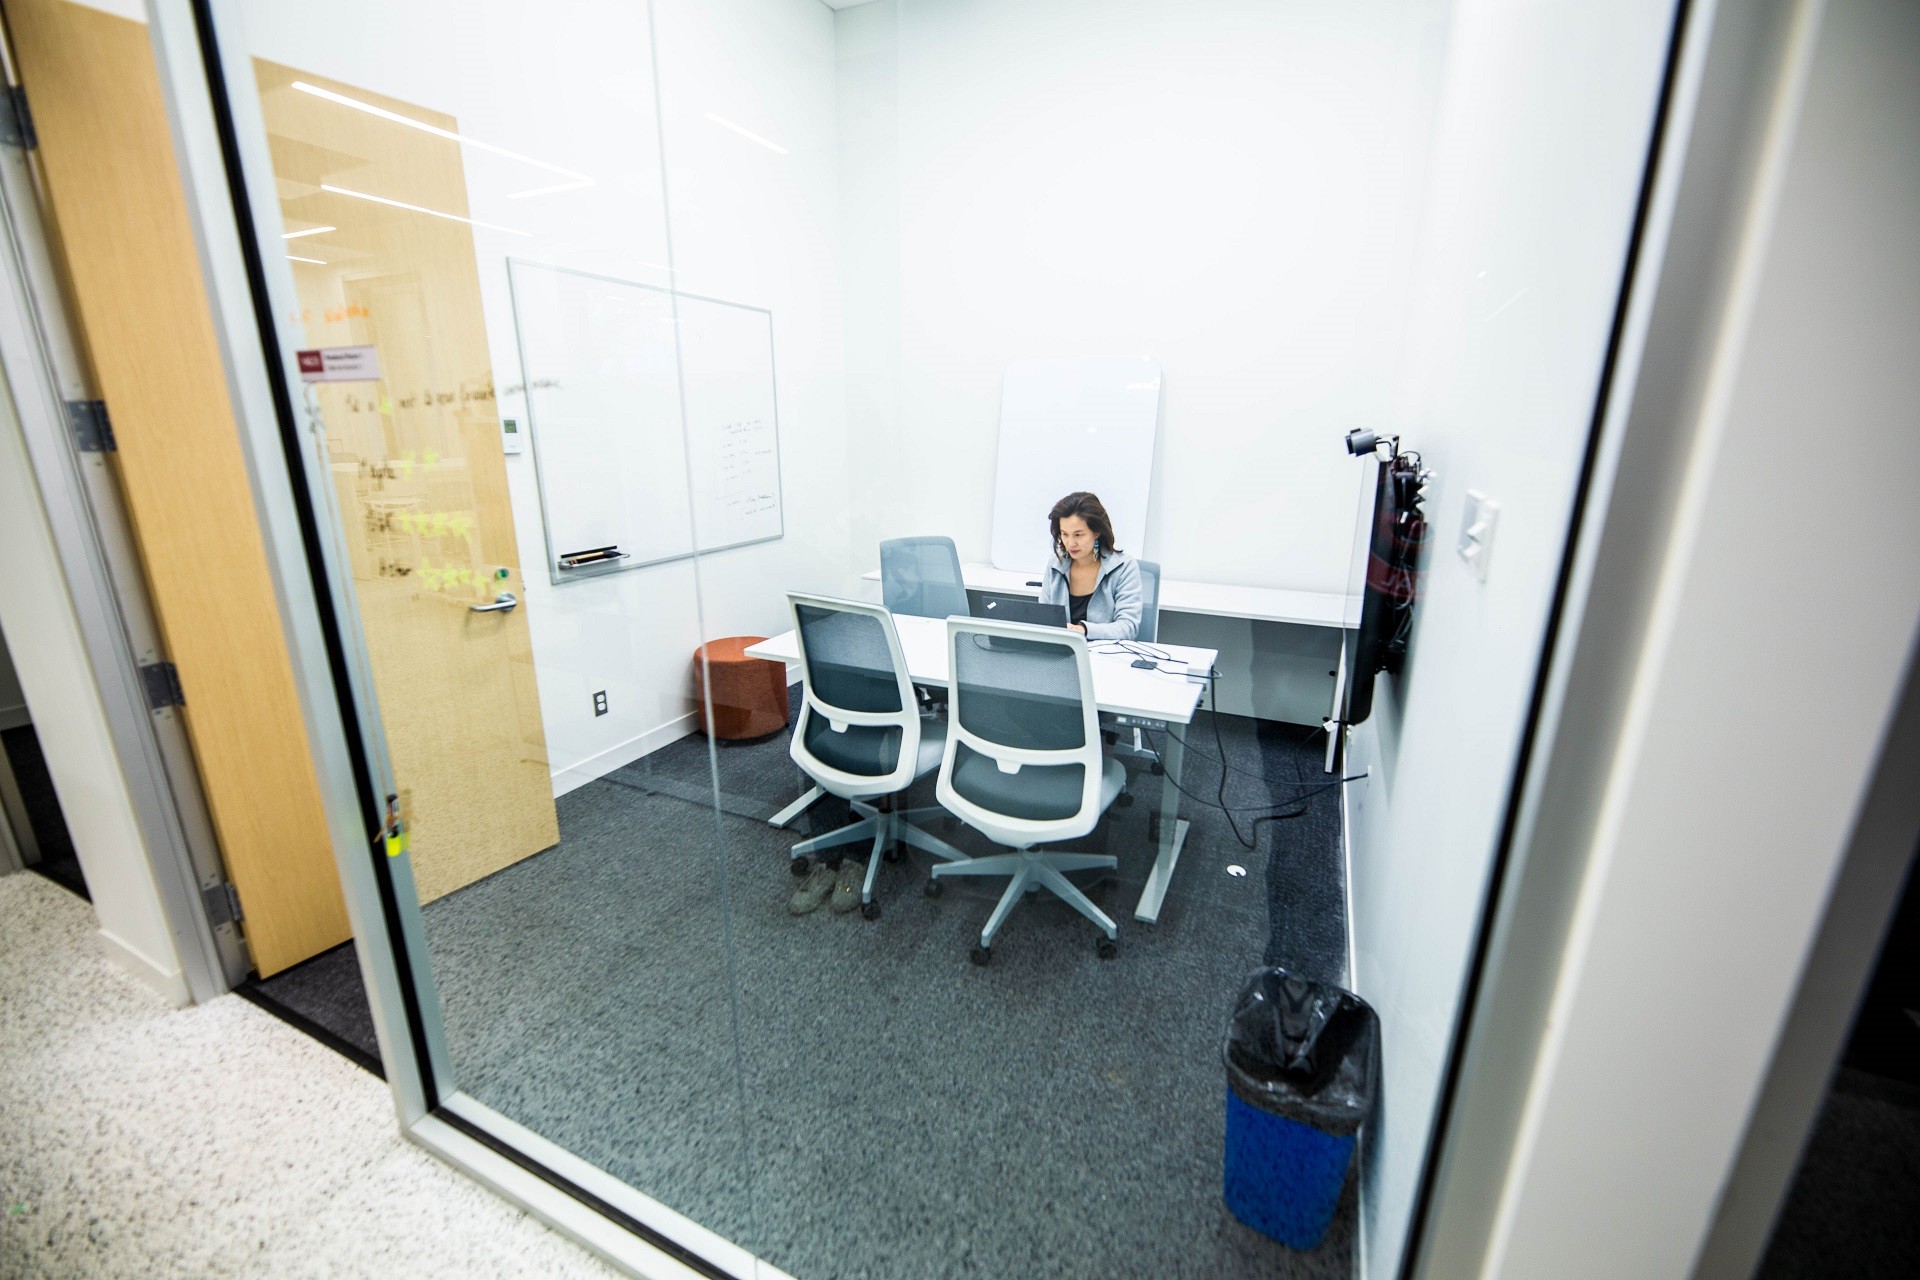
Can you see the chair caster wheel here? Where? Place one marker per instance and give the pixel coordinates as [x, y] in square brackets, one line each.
[800, 866]
[869, 911]
[981, 956]
[892, 853]
[934, 888]
[1122, 800]
[1153, 826]
[1156, 768]
[1106, 948]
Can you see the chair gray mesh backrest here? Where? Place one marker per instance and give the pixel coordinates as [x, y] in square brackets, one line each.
[1149, 601]
[859, 723]
[921, 576]
[1023, 760]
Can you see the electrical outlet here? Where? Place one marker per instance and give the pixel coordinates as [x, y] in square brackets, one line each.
[600, 703]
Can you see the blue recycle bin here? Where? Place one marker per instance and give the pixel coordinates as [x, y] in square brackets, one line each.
[1303, 1066]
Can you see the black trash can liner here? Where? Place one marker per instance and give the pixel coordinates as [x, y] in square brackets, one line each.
[1306, 1050]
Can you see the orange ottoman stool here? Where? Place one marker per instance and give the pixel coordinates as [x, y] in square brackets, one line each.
[749, 694]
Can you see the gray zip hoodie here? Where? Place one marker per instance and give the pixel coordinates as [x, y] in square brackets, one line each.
[1114, 611]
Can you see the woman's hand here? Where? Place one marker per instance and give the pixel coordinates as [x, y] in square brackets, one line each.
[1077, 626]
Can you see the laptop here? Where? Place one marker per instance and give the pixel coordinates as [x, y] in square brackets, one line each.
[1009, 609]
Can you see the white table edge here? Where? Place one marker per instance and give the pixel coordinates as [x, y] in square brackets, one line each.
[1331, 613]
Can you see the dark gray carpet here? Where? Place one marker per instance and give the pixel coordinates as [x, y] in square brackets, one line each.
[324, 997]
[853, 1098]
[1854, 1208]
[58, 862]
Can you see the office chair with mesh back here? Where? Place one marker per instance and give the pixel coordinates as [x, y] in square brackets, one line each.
[1149, 632]
[1023, 763]
[860, 735]
[921, 576]
[1134, 746]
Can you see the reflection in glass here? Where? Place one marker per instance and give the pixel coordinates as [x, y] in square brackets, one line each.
[804, 310]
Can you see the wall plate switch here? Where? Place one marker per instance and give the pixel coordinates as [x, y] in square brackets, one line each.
[600, 703]
[512, 438]
[1476, 532]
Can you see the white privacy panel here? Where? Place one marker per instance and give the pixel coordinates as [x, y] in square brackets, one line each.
[616, 467]
[1067, 425]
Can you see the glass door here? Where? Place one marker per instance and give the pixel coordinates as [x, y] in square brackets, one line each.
[487, 338]
[847, 513]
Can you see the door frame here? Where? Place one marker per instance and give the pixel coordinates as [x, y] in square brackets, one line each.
[93, 537]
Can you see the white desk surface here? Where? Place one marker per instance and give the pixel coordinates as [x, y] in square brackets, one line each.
[1118, 687]
[1263, 604]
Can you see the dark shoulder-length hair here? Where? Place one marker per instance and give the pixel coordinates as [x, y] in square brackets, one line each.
[1088, 508]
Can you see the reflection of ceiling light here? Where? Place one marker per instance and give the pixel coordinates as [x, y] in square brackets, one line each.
[580, 179]
[547, 191]
[724, 123]
[310, 231]
[401, 204]
[294, 257]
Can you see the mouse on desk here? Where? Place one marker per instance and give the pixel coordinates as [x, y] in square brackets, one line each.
[1145, 664]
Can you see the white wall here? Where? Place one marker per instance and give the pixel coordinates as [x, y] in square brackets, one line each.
[43, 637]
[1230, 189]
[1542, 138]
[576, 88]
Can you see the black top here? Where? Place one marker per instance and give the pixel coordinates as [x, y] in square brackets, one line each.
[1077, 607]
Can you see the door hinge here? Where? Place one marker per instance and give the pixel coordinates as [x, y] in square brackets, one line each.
[163, 685]
[16, 122]
[92, 432]
[223, 904]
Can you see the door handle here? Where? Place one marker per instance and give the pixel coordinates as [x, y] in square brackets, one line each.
[501, 603]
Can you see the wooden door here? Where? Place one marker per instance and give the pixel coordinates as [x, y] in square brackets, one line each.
[419, 473]
[121, 220]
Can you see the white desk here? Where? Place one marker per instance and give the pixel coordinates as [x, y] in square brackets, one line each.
[1137, 697]
[1263, 604]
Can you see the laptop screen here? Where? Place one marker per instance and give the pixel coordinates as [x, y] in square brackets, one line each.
[1008, 609]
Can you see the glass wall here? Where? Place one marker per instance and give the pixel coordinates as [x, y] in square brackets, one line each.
[762, 860]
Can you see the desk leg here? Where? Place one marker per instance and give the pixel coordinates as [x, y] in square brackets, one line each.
[795, 809]
[1173, 832]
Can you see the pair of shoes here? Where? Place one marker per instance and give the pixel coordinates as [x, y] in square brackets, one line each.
[840, 888]
[846, 885]
[813, 891]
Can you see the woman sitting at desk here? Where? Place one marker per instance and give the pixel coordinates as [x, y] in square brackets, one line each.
[1098, 582]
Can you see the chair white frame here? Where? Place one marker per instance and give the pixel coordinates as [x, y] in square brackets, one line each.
[887, 826]
[1026, 868]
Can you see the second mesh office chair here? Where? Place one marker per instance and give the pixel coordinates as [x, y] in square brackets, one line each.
[921, 576]
[1135, 746]
[1023, 763]
[860, 735]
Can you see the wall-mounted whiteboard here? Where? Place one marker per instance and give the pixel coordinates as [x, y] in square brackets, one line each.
[618, 464]
[1067, 425]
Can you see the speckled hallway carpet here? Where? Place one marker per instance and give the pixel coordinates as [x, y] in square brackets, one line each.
[140, 1142]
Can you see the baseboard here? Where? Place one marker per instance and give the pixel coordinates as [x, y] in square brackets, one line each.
[1361, 1216]
[170, 984]
[1346, 899]
[581, 772]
